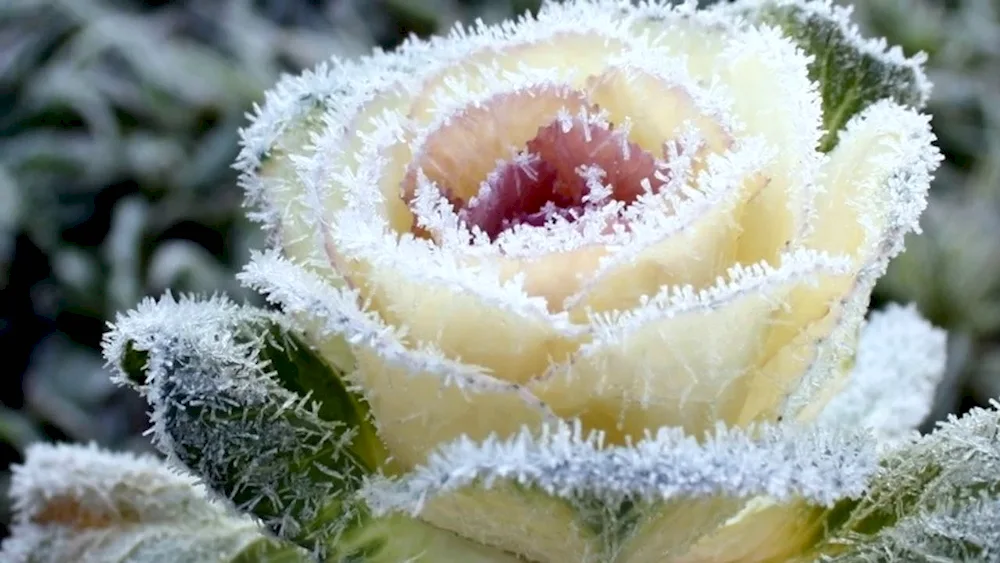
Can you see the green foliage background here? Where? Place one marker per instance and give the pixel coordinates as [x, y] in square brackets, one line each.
[118, 124]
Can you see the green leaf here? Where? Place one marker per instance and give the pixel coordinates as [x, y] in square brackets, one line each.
[304, 372]
[79, 503]
[937, 498]
[241, 401]
[852, 72]
[266, 450]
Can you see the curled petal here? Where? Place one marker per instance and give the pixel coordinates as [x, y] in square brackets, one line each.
[685, 358]
[766, 77]
[762, 530]
[656, 110]
[691, 240]
[874, 188]
[558, 479]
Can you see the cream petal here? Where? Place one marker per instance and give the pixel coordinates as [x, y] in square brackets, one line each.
[656, 110]
[319, 105]
[418, 408]
[874, 188]
[685, 358]
[694, 256]
[435, 294]
[670, 531]
[693, 248]
[726, 530]
[687, 240]
[690, 237]
[764, 531]
[555, 276]
[277, 177]
[572, 57]
[536, 526]
[510, 334]
[767, 79]
[459, 152]
[774, 98]
[333, 177]
[419, 397]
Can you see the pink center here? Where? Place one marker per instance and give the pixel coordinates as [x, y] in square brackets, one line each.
[550, 178]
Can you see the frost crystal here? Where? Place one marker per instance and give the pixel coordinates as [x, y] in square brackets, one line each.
[780, 462]
[935, 498]
[221, 410]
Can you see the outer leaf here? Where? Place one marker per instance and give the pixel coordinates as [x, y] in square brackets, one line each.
[852, 72]
[959, 532]
[77, 503]
[936, 498]
[232, 392]
[214, 376]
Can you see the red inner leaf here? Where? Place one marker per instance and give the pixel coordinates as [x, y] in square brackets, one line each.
[547, 181]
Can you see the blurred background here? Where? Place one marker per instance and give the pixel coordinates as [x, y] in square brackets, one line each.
[118, 126]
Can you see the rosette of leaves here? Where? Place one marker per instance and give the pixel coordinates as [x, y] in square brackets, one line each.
[749, 416]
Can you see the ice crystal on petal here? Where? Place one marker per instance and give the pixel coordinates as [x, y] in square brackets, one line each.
[895, 145]
[800, 267]
[819, 464]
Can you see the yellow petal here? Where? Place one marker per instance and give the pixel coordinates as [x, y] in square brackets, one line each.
[417, 411]
[554, 276]
[670, 531]
[773, 97]
[530, 523]
[514, 345]
[685, 359]
[874, 187]
[657, 110]
[764, 531]
[459, 155]
[283, 190]
[582, 54]
[304, 205]
[694, 251]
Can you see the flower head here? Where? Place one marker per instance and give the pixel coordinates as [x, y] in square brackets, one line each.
[591, 278]
[622, 215]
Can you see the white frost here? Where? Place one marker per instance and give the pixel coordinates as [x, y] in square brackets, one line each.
[819, 464]
[900, 362]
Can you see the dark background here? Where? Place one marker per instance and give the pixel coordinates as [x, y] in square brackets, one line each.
[118, 125]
